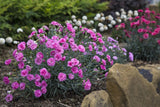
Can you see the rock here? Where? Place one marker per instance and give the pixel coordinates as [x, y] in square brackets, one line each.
[128, 88]
[97, 99]
[155, 72]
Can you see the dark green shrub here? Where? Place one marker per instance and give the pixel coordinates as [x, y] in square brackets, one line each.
[28, 13]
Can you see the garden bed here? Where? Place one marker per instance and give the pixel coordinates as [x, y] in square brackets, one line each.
[71, 99]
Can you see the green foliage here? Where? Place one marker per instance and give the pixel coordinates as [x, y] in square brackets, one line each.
[28, 13]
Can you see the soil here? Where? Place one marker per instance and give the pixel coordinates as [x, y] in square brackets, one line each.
[71, 99]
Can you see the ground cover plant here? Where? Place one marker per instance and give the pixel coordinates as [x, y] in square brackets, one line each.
[141, 33]
[58, 59]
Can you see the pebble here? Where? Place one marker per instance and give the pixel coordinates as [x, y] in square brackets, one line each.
[158, 67]
[3, 105]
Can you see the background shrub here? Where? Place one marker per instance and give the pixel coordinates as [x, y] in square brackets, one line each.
[28, 13]
[116, 5]
[141, 33]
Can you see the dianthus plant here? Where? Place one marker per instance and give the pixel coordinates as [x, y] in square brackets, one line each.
[62, 60]
[142, 34]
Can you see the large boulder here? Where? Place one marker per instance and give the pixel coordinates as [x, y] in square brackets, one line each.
[128, 88]
[97, 99]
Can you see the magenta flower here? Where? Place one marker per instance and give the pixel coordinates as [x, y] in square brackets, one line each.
[71, 76]
[103, 67]
[87, 85]
[22, 86]
[74, 69]
[58, 56]
[104, 62]
[24, 73]
[63, 58]
[158, 41]
[108, 58]
[131, 56]
[21, 65]
[43, 72]
[15, 85]
[62, 76]
[40, 31]
[39, 55]
[28, 68]
[14, 53]
[146, 36]
[30, 77]
[44, 84]
[21, 46]
[51, 62]
[37, 83]
[37, 93]
[80, 73]
[37, 77]
[90, 47]
[7, 62]
[6, 80]
[100, 40]
[47, 76]
[19, 56]
[9, 97]
[38, 61]
[43, 90]
[75, 61]
[65, 46]
[81, 48]
[106, 74]
[97, 58]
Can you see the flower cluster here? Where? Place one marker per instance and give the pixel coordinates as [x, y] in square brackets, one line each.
[141, 34]
[61, 59]
[101, 22]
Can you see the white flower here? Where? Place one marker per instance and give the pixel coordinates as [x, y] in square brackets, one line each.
[101, 29]
[15, 42]
[9, 40]
[19, 30]
[91, 21]
[130, 12]
[103, 18]
[113, 22]
[94, 30]
[35, 42]
[119, 20]
[73, 16]
[110, 25]
[83, 21]
[8, 92]
[123, 16]
[100, 25]
[102, 14]
[117, 13]
[96, 18]
[84, 17]
[78, 23]
[33, 29]
[123, 13]
[75, 27]
[74, 20]
[122, 9]
[98, 15]
[105, 27]
[135, 13]
[110, 17]
[2, 41]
